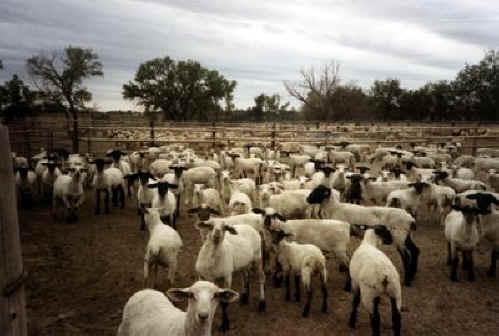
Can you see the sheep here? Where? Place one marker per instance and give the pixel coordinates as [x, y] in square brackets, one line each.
[198, 175]
[203, 212]
[377, 192]
[25, 186]
[417, 174]
[176, 178]
[373, 274]
[244, 167]
[158, 168]
[49, 176]
[327, 234]
[165, 201]
[489, 223]
[68, 190]
[122, 165]
[291, 204]
[245, 185]
[210, 197]
[493, 180]
[458, 185]
[303, 260]
[347, 158]
[409, 199]
[398, 221]
[162, 248]
[149, 312]
[239, 202]
[223, 254]
[144, 193]
[462, 235]
[110, 181]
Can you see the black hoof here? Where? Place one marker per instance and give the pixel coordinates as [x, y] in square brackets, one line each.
[491, 274]
[262, 307]
[244, 298]
[453, 279]
[324, 309]
[306, 312]
[343, 268]
[348, 286]
[288, 297]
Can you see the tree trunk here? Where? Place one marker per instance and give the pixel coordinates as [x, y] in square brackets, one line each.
[76, 137]
[13, 320]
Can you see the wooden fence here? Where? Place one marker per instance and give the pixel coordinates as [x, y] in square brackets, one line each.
[96, 136]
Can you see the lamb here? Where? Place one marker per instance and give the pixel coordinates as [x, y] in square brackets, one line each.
[347, 158]
[245, 185]
[223, 254]
[149, 312]
[373, 274]
[303, 260]
[244, 167]
[122, 165]
[210, 197]
[176, 178]
[165, 201]
[409, 199]
[327, 234]
[398, 221]
[461, 232]
[110, 181]
[25, 186]
[144, 193]
[68, 190]
[162, 248]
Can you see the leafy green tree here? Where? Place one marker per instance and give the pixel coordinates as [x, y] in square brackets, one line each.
[180, 90]
[385, 96]
[16, 99]
[269, 108]
[59, 76]
[476, 89]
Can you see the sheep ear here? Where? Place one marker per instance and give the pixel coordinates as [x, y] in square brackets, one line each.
[179, 294]
[473, 196]
[258, 211]
[230, 229]
[152, 186]
[227, 295]
[214, 212]
[193, 210]
[280, 217]
[172, 186]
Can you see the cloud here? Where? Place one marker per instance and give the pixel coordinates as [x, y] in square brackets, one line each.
[258, 43]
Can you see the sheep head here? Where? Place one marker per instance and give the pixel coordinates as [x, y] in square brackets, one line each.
[319, 194]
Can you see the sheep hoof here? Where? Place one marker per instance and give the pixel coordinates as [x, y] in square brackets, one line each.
[262, 306]
[97, 212]
[244, 298]
[453, 278]
[324, 309]
[348, 287]
[306, 311]
[343, 268]
[491, 273]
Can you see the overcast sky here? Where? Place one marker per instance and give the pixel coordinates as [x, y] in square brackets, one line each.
[258, 43]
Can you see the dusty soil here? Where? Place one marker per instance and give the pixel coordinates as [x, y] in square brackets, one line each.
[82, 274]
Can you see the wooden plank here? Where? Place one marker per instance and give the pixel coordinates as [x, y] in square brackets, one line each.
[13, 320]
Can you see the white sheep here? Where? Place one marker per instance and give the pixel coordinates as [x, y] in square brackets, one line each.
[398, 221]
[239, 202]
[228, 249]
[303, 261]
[25, 186]
[331, 236]
[373, 274]
[461, 232]
[68, 190]
[165, 201]
[210, 197]
[459, 185]
[198, 175]
[149, 312]
[110, 181]
[162, 248]
[291, 204]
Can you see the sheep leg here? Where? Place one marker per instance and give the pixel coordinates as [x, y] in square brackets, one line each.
[97, 201]
[225, 319]
[262, 306]
[414, 256]
[122, 196]
[375, 317]
[106, 202]
[288, 295]
[455, 262]
[245, 295]
[297, 288]
[465, 265]
[406, 259]
[355, 306]
[324, 295]
[493, 262]
[396, 319]
[277, 278]
[172, 268]
[114, 197]
[471, 271]
[449, 258]
[306, 310]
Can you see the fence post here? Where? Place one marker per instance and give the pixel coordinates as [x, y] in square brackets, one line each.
[89, 135]
[13, 321]
[27, 141]
[213, 135]
[272, 143]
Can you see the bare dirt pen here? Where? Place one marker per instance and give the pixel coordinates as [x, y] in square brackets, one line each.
[82, 274]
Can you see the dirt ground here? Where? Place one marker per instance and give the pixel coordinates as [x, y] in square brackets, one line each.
[82, 274]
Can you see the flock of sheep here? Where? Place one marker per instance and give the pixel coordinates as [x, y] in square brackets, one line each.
[281, 212]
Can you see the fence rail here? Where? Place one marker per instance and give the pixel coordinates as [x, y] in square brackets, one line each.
[97, 136]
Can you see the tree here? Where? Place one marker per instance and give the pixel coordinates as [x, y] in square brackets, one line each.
[16, 99]
[476, 88]
[316, 91]
[269, 108]
[59, 76]
[386, 97]
[180, 90]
